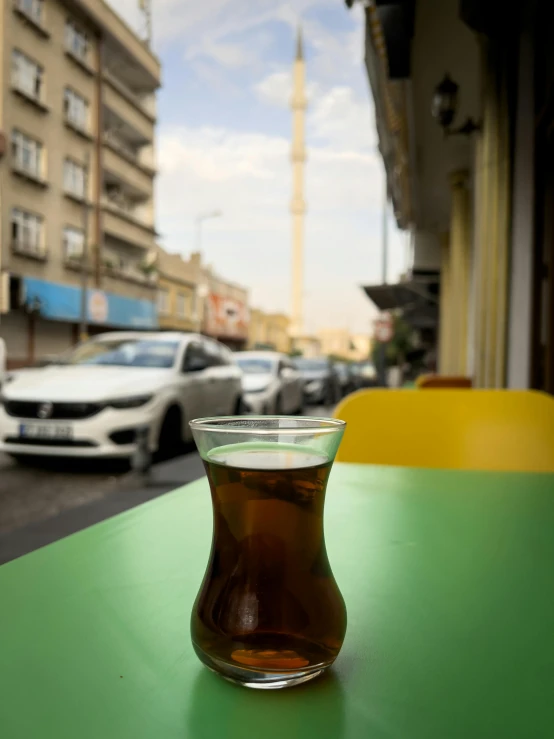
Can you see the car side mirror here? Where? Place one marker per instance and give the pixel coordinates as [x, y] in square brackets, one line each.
[195, 364]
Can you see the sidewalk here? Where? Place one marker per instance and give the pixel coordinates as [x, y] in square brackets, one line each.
[163, 478]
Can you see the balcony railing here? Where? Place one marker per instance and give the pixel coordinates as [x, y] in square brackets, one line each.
[146, 104]
[133, 155]
[29, 248]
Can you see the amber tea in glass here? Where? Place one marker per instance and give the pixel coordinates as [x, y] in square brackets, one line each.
[269, 613]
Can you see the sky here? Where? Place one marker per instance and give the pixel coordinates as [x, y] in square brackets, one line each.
[223, 143]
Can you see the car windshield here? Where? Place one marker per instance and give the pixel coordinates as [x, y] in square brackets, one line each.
[126, 353]
[311, 365]
[255, 366]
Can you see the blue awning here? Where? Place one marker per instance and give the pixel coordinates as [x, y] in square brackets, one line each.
[59, 302]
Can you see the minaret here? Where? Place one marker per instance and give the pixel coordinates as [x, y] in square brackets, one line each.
[298, 206]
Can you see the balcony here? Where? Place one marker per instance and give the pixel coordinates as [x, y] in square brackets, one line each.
[125, 226]
[141, 158]
[139, 110]
[28, 248]
[120, 169]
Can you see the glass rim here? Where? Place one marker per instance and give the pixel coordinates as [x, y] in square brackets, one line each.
[224, 424]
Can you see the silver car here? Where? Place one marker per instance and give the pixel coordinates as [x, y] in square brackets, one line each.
[270, 383]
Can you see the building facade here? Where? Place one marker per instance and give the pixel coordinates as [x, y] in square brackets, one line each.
[77, 114]
[224, 309]
[177, 301]
[342, 344]
[470, 170]
[193, 297]
[269, 331]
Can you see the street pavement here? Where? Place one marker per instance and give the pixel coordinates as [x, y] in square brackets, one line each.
[49, 499]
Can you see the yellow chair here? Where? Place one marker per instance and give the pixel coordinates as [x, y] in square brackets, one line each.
[509, 430]
[426, 382]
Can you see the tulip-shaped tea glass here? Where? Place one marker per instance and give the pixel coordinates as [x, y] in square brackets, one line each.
[269, 613]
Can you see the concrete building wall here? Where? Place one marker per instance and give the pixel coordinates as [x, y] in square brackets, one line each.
[53, 337]
[269, 330]
[14, 328]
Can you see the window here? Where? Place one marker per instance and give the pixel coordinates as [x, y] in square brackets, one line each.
[163, 302]
[182, 305]
[76, 40]
[27, 75]
[195, 358]
[27, 154]
[32, 8]
[74, 178]
[27, 232]
[138, 352]
[213, 354]
[75, 109]
[73, 242]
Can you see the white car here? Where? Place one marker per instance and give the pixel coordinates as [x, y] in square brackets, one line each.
[271, 384]
[97, 397]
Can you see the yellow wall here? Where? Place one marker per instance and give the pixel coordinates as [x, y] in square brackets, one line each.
[492, 223]
[455, 281]
[171, 320]
[269, 329]
[482, 279]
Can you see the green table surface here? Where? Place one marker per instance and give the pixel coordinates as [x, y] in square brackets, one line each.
[448, 579]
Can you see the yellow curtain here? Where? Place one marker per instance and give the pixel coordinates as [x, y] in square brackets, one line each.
[445, 324]
[460, 248]
[493, 217]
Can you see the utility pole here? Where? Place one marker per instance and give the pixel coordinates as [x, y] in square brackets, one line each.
[83, 333]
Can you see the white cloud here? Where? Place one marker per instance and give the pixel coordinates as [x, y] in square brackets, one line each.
[275, 89]
[247, 173]
[338, 116]
[248, 176]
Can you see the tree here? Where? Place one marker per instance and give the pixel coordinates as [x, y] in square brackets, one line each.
[398, 347]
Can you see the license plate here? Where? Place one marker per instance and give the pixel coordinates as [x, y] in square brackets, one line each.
[45, 431]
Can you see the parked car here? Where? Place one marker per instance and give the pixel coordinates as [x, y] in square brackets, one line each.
[270, 383]
[365, 375]
[96, 398]
[321, 385]
[345, 378]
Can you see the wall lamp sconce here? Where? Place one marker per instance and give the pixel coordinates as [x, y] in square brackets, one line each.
[444, 108]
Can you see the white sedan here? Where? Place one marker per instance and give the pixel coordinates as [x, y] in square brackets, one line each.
[95, 400]
[271, 384]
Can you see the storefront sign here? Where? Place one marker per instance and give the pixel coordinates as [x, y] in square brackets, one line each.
[384, 328]
[226, 317]
[63, 303]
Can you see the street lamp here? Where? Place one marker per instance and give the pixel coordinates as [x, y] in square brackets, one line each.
[444, 108]
[199, 221]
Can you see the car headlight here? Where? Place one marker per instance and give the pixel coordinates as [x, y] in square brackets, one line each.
[133, 401]
[314, 386]
[257, 390]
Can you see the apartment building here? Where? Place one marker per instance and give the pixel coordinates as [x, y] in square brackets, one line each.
[77, 118]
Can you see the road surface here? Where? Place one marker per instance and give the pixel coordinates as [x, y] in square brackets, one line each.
[49, 499]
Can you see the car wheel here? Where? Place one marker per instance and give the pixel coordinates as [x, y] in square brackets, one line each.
[240, 408]
[301, 408]
[170, 440]
[278, 406]
[19, 458]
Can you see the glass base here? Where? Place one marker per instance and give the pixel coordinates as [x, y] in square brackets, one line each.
[260, 679]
